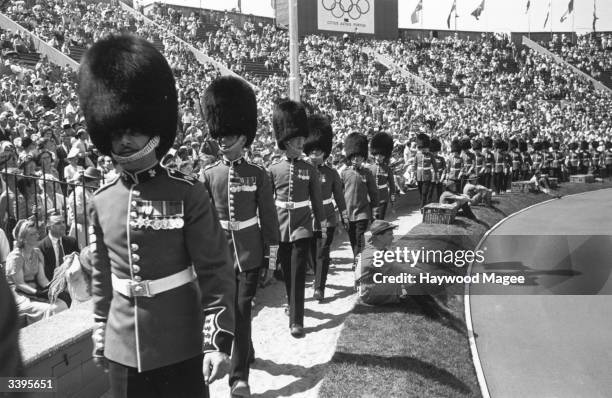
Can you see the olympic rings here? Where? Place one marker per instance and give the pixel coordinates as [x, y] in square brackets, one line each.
[341, 8]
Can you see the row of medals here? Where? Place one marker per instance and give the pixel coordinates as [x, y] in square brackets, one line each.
[158, 223]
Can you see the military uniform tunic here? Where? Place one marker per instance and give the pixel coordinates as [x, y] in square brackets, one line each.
[150, 225]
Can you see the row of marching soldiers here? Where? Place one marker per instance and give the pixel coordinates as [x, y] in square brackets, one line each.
[289, 211]
[496, 163]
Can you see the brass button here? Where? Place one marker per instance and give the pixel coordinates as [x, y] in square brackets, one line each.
[135, 193]
[134, 247]
[138, 278]
[134, 203]
[136, 268]
[134, 214]
[135, 257]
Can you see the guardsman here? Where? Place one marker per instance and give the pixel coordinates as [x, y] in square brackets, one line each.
[360, 191]
[424, 168]
[596, 158]
[546, 157]
[454, 164]
[381, 147]
[440, 164]
[516, 160]
[489, 162]
[468, 161]
[499, 167]
[537, 157]
[557, 162]
[297, 192]
[162, 280]
[242, 195]
[573, 159]
[318, 147]
[479, 159]
[526, 161]
[608, 159]
[585, 157]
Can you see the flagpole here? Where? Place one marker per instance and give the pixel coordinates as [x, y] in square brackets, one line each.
[551, 19]
[422, 13]
[455, 17]
[294, 66]
[529, 20]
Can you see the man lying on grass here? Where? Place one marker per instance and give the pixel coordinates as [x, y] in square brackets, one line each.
[371, 270]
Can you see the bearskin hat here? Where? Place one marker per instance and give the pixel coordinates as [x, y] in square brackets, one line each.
[513, 144]
[522, 145]
[422, 140]
[608, 144]
[594, 144]
[499, 144]
[356, 144]
[487, 142]
[125, 83]
[556, 145]
[466, 144]
[584, 145]
[477, 144]
[320, 135]
[504, 145]
[455, 146]
[546, 145]
[435, 145]
[537, 146]
[381, 144]
[230, 108]
[573, 146]
[289, 121]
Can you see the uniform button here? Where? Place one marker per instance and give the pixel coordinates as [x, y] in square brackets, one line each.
[134, 203]
[134, 214]
[138, 278]
[136, 268]
[134, 247]
[231, 208]
[135, 257]
[135, 193]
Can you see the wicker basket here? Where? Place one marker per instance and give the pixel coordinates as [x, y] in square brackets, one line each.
[435, 213]
[521, 186]
[582, 178]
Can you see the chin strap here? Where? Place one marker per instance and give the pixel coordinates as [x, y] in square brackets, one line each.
[137, 160]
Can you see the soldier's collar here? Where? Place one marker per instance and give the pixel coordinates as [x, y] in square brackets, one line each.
[140, 176]
[228, 162]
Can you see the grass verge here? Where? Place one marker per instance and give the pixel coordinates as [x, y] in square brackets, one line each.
[400, 351]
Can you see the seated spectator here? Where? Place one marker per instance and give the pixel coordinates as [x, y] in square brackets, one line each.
[460, 201]
[539, 183]
[476, 192]
[77, 201]
[12, 202]
[56, 244]
[45, 163]
[71, 171]
[50, 194]
[25, 272]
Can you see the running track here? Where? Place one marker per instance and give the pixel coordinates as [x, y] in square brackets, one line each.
[550, 345]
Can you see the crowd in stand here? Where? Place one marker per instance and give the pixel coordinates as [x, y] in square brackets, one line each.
[497, 92]
[590, 53]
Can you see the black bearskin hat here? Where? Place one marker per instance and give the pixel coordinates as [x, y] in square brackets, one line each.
[466, 144]
[455, 146]
[487, 142]
[573, 146]
[546, 145]
[594, 144]
[556, 145]
[499, 144]
[504, 145]
[513, 144]
[477, 145]
[584, 145]
[320, 135]
[422, 140]
[381, 143]
[608, 144]
[126, 84]
[522, 145]
[230, 108]
[289, 121]
[435, 145]
[537, 146]
[356, 144]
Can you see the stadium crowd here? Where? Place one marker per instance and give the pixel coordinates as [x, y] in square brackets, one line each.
[493, 95]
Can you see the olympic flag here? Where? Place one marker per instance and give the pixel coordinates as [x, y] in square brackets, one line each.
[351, 16]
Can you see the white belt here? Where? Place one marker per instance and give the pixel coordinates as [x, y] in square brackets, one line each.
[238, 225]
[383, 186]
[327, 201]
[131, 288]
[292, 205]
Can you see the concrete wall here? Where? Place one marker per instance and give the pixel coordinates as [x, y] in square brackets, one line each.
[61, 347]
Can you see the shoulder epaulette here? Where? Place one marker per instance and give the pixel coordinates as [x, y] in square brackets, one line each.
[275, 161]
[106, 185]
[177, 175]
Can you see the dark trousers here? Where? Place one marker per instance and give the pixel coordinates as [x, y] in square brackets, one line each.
[356, 231]
[485, 180]
[182, 379]
[498, 182]
[609, 170]
[246, 286]
[424, 190]
[293, 257]
[435, 192]
[321, 257]
[380, 211]
[555, 172]
[573, 170]
[516, 175]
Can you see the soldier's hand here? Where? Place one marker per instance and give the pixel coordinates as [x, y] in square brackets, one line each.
[98, 337]
[215, 366]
